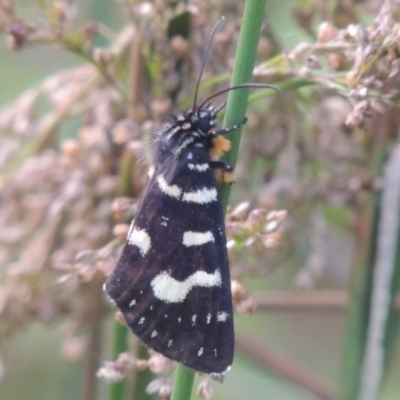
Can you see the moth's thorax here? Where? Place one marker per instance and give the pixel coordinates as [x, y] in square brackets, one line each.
[193, 128]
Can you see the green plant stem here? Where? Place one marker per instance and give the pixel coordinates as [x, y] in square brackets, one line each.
[361, 285]
[243, 71]
[118, 390]
[382, 294]
[235, 111]
[183, 383]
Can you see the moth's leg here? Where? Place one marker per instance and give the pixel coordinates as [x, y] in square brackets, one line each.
[223, 171]
[232, 128]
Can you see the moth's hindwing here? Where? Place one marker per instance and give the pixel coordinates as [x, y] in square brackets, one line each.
[172, 281]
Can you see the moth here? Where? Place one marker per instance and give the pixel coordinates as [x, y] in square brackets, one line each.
[172, 281]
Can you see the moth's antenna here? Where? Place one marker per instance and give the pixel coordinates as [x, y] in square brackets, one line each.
[205, 60]
[242, 86]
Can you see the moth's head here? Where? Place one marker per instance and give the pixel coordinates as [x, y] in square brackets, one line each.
[206, 118]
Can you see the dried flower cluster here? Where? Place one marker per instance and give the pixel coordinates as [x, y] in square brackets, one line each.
[65, 203]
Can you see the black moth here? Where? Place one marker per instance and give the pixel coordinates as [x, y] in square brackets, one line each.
[172, 281]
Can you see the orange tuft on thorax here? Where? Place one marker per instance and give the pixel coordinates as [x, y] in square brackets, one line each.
[220, 145]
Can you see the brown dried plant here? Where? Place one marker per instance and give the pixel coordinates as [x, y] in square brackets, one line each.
[66, 202]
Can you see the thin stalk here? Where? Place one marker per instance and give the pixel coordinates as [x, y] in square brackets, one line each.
[119, 389]
[243, 71]
[183, 384]
[382, 298]
[235, 111]
[361, 285]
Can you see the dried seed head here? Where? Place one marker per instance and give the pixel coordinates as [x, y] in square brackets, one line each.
[71, 151]
[238, 290]
[90, 30]
[141, 365]
[247, 306]
[118, 370]
[125, 362]
[164, 393]
[86, 272]
[256, 219]
[274, 220]
[123, 208]
[313, 62]
[104, 56]
[17, 34]
[205, 389]
[240, 211]
[158, 363]
[179, 46]
[326, 32]
[119, 317]
[71, 148]
[110, 373]
[120, 231]
[107, 265]
[271, 241]
[337, 61]
[237, 230]
[161, 386]
[357, 116]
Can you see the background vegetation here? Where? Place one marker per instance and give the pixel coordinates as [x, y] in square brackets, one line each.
[83, 86]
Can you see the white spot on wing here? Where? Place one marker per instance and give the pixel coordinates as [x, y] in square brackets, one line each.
[201, 196]
[170, 290]
[154, 334]
[132, 303]
[141, 320]
[219, 375]
[209, 318]
[184, 144]
[173, 131]
[170, 343]
[141, 239]
[222, 316]
[170, 190]
[164, 221]
[199, 167]
[194, 317]
[151, 171]
[200, 352]
[190, 156]
[197, 238]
